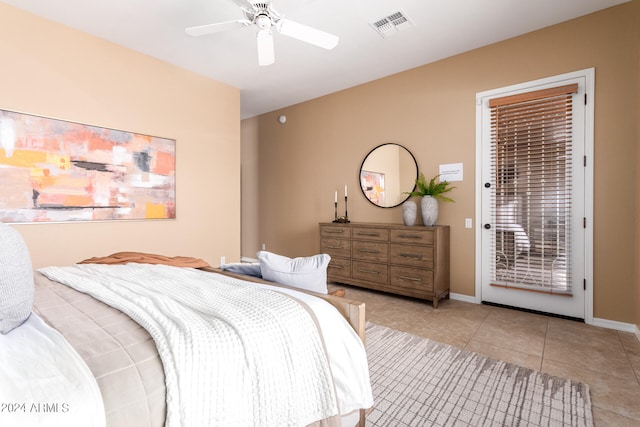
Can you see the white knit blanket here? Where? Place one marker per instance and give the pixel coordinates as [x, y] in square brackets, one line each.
[233, 355]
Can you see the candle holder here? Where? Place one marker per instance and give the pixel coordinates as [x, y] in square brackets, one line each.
[335, 211]
[346, 215]
[343, 219]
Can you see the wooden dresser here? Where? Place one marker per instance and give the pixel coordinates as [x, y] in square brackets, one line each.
[411, 261]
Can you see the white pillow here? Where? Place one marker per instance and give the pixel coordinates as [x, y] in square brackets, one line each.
[16, 280]
[245, 268]
[308, 273]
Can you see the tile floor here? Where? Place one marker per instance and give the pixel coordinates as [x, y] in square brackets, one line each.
[606, 359]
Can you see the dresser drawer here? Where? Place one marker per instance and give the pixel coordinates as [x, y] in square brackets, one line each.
[415, 256]
[370, 251]
[336, 247]
[412, 278]
[374, 234]
[339, 268]
[378, 273]
[336, 231]
[417, 236]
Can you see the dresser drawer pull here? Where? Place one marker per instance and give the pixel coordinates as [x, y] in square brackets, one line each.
[362, 270]
[413, 279]
[335, 266]
[370, 251]
[370, 233]
[414, 256]
[409, 236]
[334, 231]
[334, 246]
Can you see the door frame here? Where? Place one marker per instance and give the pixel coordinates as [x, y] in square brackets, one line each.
[589, 76]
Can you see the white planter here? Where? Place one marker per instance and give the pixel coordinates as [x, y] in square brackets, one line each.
[409, 212]
[429, 210]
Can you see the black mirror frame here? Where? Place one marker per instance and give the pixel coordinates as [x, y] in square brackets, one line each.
[362, 165]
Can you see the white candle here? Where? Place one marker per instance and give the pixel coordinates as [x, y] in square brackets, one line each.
[345, 190]
[335, 200]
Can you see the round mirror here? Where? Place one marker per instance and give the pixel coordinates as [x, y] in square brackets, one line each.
[387, 172]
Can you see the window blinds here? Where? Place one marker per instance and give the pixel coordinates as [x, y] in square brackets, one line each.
[531, 164]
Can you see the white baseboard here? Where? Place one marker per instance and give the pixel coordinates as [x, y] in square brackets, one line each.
[613, 324]
[604, 323]
[462, 297]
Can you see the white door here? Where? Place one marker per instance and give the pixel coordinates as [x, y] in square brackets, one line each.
[535, 173]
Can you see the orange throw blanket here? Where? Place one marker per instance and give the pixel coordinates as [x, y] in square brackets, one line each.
[145, 258]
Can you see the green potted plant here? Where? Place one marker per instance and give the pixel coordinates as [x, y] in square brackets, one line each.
[432, 188]
[431, 192]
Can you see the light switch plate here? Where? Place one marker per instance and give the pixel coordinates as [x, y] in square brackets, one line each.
[468, 223]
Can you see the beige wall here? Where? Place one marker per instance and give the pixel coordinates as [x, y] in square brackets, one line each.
[250, 187]
[52, 70]
[431, 111]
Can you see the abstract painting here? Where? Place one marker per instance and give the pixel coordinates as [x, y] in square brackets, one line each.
[54, 171]
[372, 184]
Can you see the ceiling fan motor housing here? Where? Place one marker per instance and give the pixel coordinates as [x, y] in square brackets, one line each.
[261, 6]
[262, 15]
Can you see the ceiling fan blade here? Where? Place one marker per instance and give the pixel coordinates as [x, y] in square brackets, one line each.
[244, 4]
[307, 34]
[266, 55]
[203, 30]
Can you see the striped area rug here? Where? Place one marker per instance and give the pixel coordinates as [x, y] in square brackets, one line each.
[419, 382]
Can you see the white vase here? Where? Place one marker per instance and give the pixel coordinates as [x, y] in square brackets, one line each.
[429, 210]
[409, 212]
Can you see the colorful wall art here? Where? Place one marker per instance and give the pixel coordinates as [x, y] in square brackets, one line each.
[55, 170]
[372, 184]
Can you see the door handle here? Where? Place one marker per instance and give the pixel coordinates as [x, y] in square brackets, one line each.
[487, 226]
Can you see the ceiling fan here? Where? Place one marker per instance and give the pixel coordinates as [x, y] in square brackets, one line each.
[265, 18]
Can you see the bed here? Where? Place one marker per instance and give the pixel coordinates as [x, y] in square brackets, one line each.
[302, 359]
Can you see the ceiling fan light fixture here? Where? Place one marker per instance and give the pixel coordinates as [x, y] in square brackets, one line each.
[263, 22]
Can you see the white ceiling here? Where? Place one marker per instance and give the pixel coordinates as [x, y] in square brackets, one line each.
[442, 28]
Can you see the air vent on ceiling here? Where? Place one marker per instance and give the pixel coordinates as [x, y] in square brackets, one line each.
[391, 24]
